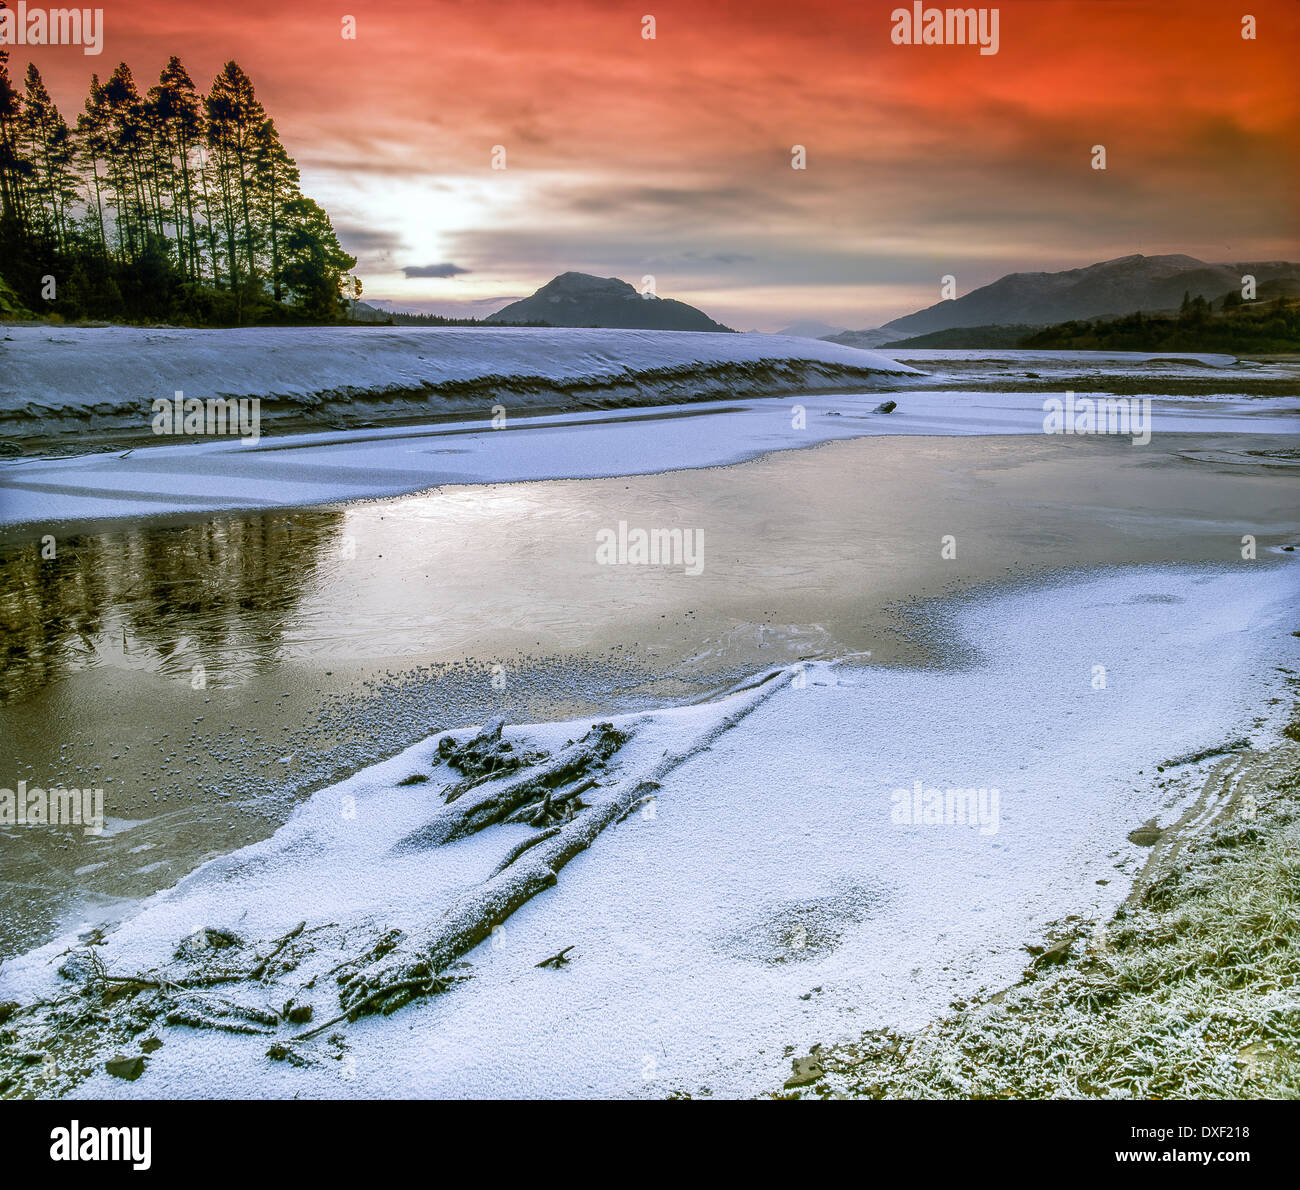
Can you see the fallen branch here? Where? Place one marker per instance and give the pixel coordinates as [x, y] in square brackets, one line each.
[515, 852]
[468, 815]
[427, 986]
[556, 960]
[261, 967]
[472, 917]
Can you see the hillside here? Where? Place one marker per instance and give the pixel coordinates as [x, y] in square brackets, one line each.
[968, 336]
[1257, 327]
[342, 378]
[1109, 289]
[580, 300]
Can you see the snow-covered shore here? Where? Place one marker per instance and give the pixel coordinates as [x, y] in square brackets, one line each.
[770, 899]
[106, 378]
[498, 405]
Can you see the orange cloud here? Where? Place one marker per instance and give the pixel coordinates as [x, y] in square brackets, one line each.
[625, 151]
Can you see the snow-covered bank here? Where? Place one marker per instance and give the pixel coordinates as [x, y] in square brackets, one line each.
[296, 470]
[1166, 371]
[770, 898]
[69, 379]
[1174, 362]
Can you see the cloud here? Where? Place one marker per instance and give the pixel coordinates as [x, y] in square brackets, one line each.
[630, 157]
[370, 240]
[446, 269]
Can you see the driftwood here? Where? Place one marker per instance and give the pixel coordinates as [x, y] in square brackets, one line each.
[471, 918]
[397, 967]
[391, 997]
[556, 960]
[556, 805]
[483, 757]
[180, 998]
[470, 814]
[515, 852]
[261, 967]
[220, 1013]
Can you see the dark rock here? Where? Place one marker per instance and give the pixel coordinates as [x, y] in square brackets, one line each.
[127, 1068]
[885, 407]
[1147, 835]
[806, 1072]
[204, 940]
[1055, 954]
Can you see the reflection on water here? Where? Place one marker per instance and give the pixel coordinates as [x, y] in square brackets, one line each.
[217, 593]
[331, 638]
[804, 554]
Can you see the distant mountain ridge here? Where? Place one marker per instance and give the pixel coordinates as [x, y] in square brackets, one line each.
[581, 300]
[866, 340]
[1111, 288]
[811, 328]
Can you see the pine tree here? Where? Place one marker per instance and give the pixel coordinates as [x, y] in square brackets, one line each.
[91, 148]
[277, 184]
[12, 165]
[178, 112]
[316, 266]
[234, 116]
[151, 192]
[47, 144]
[127, 160]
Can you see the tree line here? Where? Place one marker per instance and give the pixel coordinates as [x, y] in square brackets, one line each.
[166, 205]
[1263, 326]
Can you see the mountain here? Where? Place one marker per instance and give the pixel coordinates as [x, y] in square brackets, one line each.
[1007, 334]
[578, 299]
[867, 340]
[810, 328]
[1114, 287]
[358, 311]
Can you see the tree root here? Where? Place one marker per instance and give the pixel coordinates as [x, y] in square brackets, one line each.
[468, 815]
[484, 757]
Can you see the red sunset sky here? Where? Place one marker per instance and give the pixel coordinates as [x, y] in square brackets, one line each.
[671, 157]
